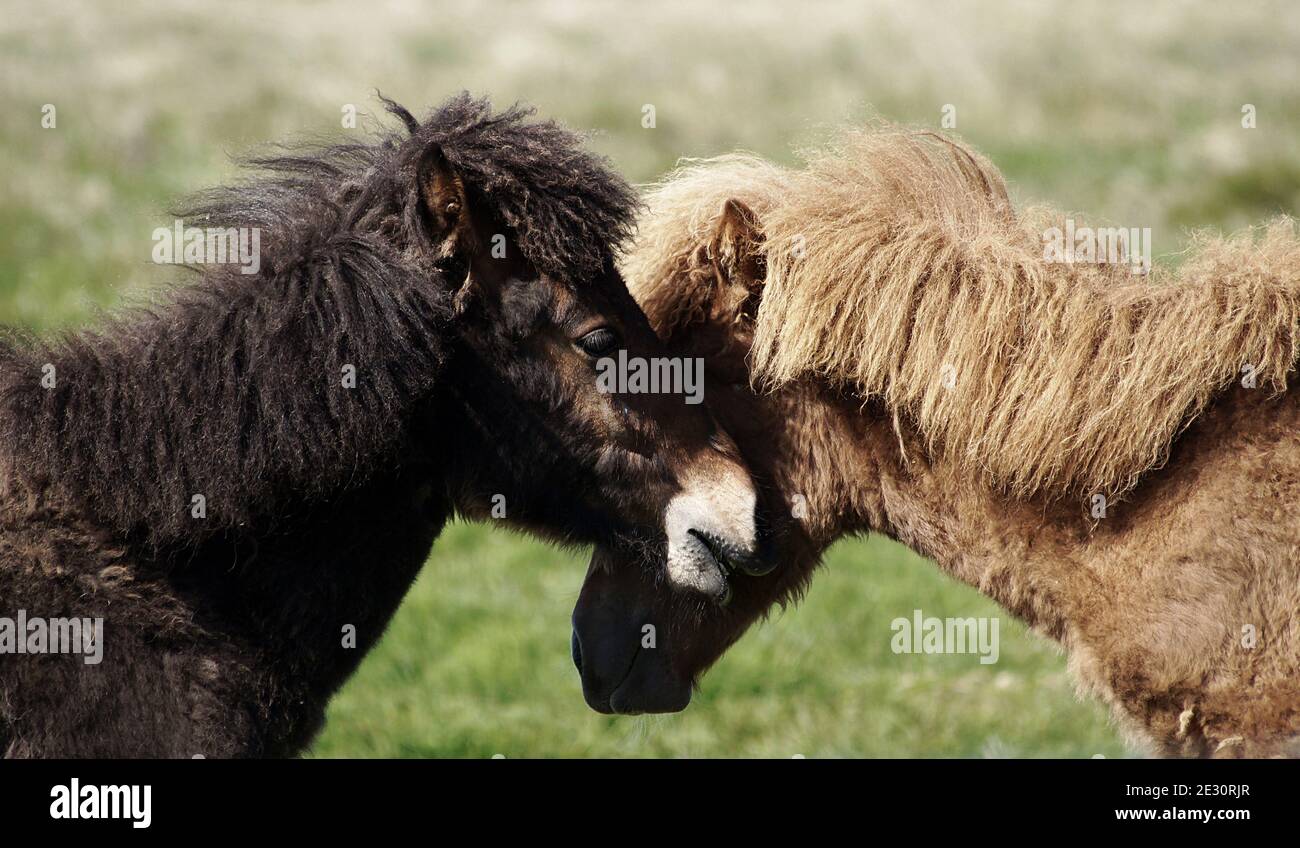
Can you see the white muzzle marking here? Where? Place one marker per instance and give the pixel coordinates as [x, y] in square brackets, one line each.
[720, 505]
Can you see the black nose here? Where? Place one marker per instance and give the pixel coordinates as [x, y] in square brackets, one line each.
[576, 648]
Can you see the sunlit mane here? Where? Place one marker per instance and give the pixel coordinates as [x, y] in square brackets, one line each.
[897, 266]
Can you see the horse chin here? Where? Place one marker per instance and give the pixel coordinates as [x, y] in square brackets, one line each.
[643, 703]
[647, 691]
[649, 685]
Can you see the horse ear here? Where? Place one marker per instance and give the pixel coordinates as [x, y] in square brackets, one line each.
[451, 225]
[736, 251]
[736, 246]
[443, 192]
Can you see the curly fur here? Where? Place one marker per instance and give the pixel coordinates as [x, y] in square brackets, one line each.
[224, 634]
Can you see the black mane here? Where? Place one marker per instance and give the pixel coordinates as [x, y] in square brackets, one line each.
[231, 387]
[564, 206]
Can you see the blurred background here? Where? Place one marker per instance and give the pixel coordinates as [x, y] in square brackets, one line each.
[1128, 113]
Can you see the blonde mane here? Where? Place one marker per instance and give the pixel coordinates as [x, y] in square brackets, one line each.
[897, 266]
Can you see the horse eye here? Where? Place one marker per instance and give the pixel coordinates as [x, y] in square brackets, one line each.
[599, 342]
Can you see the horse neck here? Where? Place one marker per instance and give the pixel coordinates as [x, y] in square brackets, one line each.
[256, 393]
[884, 480]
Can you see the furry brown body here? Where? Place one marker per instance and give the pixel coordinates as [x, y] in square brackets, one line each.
[1151, 602]
[915, 368]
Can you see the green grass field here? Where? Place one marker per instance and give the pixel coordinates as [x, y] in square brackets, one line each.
[1132, 115]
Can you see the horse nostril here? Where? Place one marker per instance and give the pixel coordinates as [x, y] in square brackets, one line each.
[575, 648]
[756, 565]
[732, 557]
[724, 553]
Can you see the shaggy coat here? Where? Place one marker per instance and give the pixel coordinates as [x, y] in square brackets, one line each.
[204, 477]
[895, 254]
[1113, 458]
